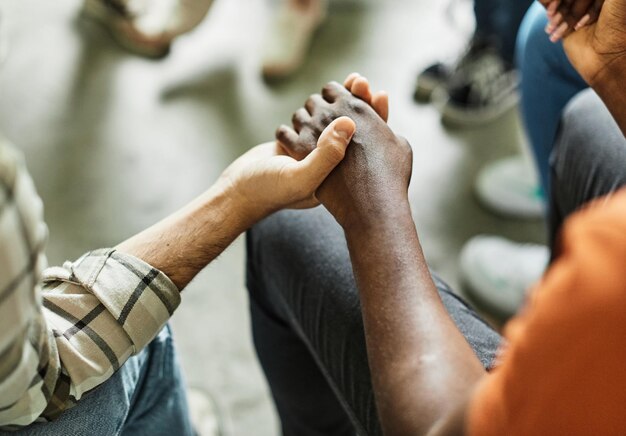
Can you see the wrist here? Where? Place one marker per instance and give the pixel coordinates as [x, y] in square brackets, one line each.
[236, 207]
[392, 212]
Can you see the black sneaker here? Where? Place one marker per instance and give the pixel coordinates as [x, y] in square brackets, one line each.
[430, 79]
[479, 93]
[439, 74]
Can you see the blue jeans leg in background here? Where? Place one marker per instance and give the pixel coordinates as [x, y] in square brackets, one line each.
[548, 83]
[500, 20]
[145, 397]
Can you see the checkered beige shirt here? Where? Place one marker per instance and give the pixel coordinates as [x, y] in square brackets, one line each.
[64, 330]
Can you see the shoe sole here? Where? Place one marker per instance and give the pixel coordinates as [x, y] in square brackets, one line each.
[95, 11]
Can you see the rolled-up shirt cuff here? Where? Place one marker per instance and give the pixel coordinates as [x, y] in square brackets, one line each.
[140, 297]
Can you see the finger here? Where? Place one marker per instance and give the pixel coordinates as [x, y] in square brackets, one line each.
[287, 138]
[586, 19]
[560, 32]
[554, 23]
[594, 11]
[280, 149]
[299, 118]
[552, 8]
[380, 103]
[578, 10]
[361, 89]
[314, 102]
[350, 80]
[332, 91]
[565, 7]
[331, 149]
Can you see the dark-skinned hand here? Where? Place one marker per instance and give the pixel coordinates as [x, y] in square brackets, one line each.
[376, 170]
[567, 16]
[601, 45]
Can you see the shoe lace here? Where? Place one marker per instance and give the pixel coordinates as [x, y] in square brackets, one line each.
[489, 79]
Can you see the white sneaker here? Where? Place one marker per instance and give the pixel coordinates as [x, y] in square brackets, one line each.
[290, 36]
[499, 272]
[121, 20]
[511, 187]
[204, 413]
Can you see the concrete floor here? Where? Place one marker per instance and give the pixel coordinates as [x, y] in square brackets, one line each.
[115, 143]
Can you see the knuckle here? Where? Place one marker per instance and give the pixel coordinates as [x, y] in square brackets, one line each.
[356, 105]
[326, 119]
[405, 144]
[280, 133]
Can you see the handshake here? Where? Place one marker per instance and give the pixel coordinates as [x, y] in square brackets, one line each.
[339, 152]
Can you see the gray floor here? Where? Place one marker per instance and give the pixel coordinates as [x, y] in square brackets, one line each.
[115, 143]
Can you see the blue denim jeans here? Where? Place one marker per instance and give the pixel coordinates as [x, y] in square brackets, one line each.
[500, 19]
[145, 397]
[548, 83]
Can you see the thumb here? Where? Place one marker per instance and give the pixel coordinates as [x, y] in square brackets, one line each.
[330, 150]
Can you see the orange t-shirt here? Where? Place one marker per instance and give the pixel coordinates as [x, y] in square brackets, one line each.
[563, 371]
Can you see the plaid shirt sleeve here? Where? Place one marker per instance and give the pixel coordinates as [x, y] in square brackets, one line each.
[64, 330]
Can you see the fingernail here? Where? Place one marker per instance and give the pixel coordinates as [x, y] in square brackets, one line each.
[552, 25]
[342, 133]
[583, 22]
[558, 34]
[549, 29]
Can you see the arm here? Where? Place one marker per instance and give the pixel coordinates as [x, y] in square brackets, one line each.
[417, 355]
[67, 329]
[257, 184]
[185, 242]
[422, 368]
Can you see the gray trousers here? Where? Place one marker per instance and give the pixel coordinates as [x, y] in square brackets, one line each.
[304, 303]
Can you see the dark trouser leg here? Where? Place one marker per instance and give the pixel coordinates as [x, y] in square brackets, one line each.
[500, 20]
[588, 161]
[308, 330]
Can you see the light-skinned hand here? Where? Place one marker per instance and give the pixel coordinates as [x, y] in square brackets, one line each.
[266, 179]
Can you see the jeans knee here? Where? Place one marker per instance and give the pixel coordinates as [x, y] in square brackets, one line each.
[532, 41]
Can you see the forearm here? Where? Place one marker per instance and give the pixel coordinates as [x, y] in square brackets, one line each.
[185, 242]
[421, 364]
[610, 88]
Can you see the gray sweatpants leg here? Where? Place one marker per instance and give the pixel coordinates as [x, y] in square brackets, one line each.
[588, 160]
[308, 330]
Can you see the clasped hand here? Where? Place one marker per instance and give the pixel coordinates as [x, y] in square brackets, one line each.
[594, 33]
[339, 152]
[373, 178]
